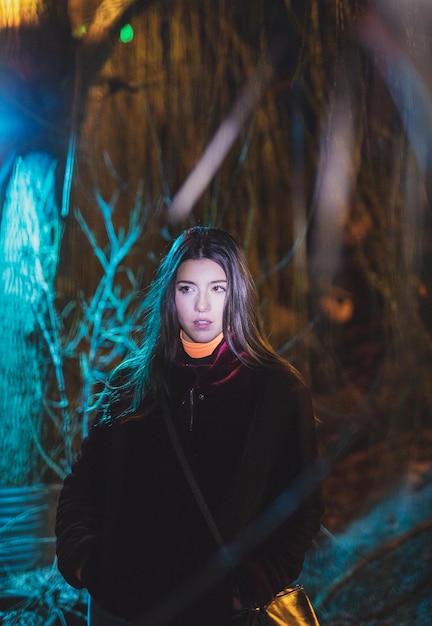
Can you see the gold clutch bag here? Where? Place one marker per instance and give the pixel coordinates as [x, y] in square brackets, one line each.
[290, 607]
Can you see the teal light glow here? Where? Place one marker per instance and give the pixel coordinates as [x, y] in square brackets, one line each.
[12, 119]
[28, 261]
[126, 33]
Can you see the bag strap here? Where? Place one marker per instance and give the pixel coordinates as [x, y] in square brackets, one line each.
[189, 473]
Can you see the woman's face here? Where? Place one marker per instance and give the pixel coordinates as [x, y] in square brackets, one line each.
[200, 292]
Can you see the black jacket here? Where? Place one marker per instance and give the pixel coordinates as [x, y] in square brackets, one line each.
[127, 510]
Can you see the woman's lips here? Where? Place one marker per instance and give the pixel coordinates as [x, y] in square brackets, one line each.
[202, 324]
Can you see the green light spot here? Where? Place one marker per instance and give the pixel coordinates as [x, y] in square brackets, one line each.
[80, 32]
[126, 34]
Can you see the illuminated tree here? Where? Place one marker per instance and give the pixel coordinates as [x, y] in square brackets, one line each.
[45, 71]
[28, 259]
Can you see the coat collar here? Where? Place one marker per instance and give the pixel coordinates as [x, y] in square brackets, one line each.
[222, 366]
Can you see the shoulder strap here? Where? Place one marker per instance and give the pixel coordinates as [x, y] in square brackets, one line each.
[189, 474]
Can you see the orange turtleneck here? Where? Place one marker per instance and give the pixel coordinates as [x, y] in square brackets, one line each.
[199, 350]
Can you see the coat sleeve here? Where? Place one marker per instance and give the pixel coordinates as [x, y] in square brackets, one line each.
[291, 504]
[80, 509]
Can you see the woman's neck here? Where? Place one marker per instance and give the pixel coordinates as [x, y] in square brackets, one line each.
[199, 350]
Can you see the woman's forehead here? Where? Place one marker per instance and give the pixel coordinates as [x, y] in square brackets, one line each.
[195, 269]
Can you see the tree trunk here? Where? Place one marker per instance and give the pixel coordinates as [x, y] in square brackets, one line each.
[28, 257]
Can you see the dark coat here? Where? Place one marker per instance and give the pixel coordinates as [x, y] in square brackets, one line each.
[127, 509]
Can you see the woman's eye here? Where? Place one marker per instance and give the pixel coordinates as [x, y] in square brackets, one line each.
[184, 288]
[219, 288]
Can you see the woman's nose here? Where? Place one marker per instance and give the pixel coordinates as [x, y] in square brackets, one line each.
[202, 304]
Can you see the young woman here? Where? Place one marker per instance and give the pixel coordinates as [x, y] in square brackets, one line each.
[129, 528]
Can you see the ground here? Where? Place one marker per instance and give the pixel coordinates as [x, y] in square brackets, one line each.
[372, 563]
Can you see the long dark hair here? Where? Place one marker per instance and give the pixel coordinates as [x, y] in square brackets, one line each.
[144, 373]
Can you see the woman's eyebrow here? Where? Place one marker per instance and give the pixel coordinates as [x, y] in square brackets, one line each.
[191, 282]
